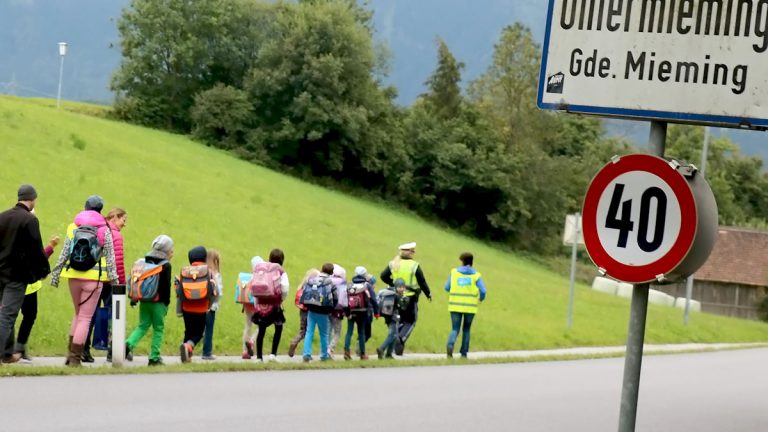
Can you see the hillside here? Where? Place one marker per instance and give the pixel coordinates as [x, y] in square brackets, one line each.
[198, 195]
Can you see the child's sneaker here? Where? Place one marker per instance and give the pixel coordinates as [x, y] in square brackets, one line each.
[363, 356]
[380, 353]
[156, 362]
[185, 351]
[249, 348]
[246, 355]
[307, 359]
[209, 357]
[271, 358]
[347, 355]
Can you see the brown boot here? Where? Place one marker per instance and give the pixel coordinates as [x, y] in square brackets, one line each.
[69, 352]
[75, 355]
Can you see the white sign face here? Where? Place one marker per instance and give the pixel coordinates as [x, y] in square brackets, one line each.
[638, 218]
[572, 230]
[703, 61]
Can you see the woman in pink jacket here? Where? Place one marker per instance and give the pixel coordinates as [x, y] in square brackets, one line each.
[85, 285]
[116, 219]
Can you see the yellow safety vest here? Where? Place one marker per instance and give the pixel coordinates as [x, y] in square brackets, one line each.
[33, 288]
[407, 272]
[92, 274]
[464, 296]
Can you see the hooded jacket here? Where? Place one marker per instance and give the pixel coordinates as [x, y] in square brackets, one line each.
[108, 274]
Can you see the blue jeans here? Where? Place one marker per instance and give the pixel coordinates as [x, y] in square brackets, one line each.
[321, 320]
[210, 318]
[360, 319]
[389, 342]
[456, 318]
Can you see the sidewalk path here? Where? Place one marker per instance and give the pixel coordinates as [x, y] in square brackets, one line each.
[559, 352]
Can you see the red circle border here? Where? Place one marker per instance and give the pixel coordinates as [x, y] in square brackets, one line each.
[679, 250]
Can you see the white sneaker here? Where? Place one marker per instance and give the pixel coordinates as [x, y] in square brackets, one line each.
[271, 358]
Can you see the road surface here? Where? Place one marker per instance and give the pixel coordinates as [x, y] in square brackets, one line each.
[720, 391]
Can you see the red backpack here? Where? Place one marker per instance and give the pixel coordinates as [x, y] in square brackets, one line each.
[357, 294]
[265, 283]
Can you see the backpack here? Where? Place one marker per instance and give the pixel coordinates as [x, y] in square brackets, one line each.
[243, 289]
[195, 282]
[265, 283]
[144, 284]
[318, 292]
[387, 299]
[85, 248]
[341, 292]
[357, 296]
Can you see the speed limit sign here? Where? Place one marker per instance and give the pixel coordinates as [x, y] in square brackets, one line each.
[648, 219]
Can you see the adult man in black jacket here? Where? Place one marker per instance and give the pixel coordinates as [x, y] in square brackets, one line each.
[22, 259]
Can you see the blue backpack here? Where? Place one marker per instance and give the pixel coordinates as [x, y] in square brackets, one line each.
[144, 284]
[318, 292]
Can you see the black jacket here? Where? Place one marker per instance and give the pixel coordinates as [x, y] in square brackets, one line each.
[164, 284]
[22, 257]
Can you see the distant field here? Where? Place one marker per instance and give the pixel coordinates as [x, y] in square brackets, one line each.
[198, 195]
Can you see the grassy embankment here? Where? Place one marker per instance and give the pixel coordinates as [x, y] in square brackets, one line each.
[199, 195]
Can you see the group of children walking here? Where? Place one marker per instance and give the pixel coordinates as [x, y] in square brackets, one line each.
[92, 259]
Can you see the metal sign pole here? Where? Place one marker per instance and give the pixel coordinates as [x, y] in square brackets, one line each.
[574, 251]
[689, 282]
[118, 325]
[633, 359]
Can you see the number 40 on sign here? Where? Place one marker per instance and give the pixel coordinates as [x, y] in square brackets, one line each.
[648, 219]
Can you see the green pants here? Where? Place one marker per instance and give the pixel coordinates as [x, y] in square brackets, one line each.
[150, 315]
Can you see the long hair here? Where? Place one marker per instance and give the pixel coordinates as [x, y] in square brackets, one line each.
[116, 213]
[311, 273]
[213, 260]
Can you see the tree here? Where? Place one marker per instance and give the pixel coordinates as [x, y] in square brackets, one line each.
[507, 90]
[174, 49]
[316, 103]
[444, 96]
[221, 116]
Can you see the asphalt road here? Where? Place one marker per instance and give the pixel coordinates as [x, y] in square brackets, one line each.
[721, 391]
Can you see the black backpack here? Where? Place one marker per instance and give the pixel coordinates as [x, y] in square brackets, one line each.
[85, 249]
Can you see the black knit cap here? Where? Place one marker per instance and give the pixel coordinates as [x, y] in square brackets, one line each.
[197, 254]
[27, 192]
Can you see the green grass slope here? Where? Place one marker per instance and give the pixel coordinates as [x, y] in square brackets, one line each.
[199, 195]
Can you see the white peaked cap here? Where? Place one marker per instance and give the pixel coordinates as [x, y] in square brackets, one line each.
[256, 260]
[408, 246]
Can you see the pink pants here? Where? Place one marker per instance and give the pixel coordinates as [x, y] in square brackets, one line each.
[85, 298]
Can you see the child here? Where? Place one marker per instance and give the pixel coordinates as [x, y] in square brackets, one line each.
[152, 313]
[248, 310]
[311, 273]
[320, 297]
[339, 279]
[194, 291]
[360, 298]
[392, 302]
[213, 263]
[270, 311]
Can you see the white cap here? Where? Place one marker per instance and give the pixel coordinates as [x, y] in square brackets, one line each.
[256, 260]
[360, 271]
[408, 246]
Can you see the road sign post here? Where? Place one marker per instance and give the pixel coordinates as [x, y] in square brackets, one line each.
[633, 358]
[646, 219]
[572, 223]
